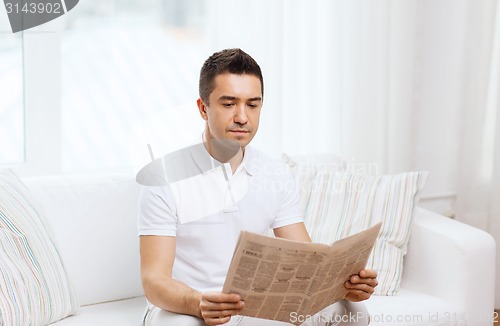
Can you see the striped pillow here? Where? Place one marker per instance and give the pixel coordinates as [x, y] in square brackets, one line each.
[339, 204]
[34, 287]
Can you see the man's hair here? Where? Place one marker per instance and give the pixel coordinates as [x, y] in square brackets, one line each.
[233, 61]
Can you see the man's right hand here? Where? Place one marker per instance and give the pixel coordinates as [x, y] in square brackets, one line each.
[216, 308]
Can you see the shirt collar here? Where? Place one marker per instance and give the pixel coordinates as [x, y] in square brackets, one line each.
[188, 162]
[250, 161]
[206, 163]
[202, 159]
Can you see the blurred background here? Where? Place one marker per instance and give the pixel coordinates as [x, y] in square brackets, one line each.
[390, 86]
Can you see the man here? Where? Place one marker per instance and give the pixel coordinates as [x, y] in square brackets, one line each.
[198, 200]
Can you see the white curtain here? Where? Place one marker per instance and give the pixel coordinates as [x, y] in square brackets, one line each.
[478, 178]
[403, 84]
[335, 72]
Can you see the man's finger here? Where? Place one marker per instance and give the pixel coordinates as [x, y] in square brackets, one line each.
[216, 321]
[359, 287]
[355, 279]
[215, 306]
[368, 273]
[219, 313]
[221, 297]
[356, 295]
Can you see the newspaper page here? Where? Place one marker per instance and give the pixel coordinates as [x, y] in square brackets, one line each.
[277, 277]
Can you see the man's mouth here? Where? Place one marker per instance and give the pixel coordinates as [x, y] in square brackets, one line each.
[239, 131]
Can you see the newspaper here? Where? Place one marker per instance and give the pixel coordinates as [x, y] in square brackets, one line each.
[277, 277]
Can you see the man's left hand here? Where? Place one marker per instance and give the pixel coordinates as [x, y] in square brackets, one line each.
[361, 286]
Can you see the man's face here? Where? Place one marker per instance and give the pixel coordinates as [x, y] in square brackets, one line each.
[234, 109]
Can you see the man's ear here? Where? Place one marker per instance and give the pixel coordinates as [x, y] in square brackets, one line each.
[202, 108]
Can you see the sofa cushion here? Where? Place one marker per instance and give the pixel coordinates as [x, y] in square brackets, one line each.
[337, 204]
[34, 287]
[95, 219]
[411, 308]
[128, 312]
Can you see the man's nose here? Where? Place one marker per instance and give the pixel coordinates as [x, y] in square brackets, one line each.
[240, 116]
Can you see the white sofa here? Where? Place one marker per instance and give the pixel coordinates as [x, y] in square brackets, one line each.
[448, 273]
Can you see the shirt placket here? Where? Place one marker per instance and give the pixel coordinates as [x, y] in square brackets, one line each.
[230, 205]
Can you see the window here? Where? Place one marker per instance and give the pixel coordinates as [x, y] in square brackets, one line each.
[124, 64]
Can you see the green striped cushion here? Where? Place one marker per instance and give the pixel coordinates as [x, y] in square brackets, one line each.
[338, 204]
[34, 287]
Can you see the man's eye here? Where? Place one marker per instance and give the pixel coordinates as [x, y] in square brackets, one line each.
[253, 106]
[227, 105]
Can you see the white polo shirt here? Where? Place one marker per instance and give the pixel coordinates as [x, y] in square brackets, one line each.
[205, 206]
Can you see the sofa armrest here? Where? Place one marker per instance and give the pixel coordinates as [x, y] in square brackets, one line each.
[452, 261]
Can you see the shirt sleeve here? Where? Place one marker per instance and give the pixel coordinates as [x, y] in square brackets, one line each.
[157, 212]
[289, 204]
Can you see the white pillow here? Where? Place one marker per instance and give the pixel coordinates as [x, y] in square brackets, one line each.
[34, 287]
[338, 204]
